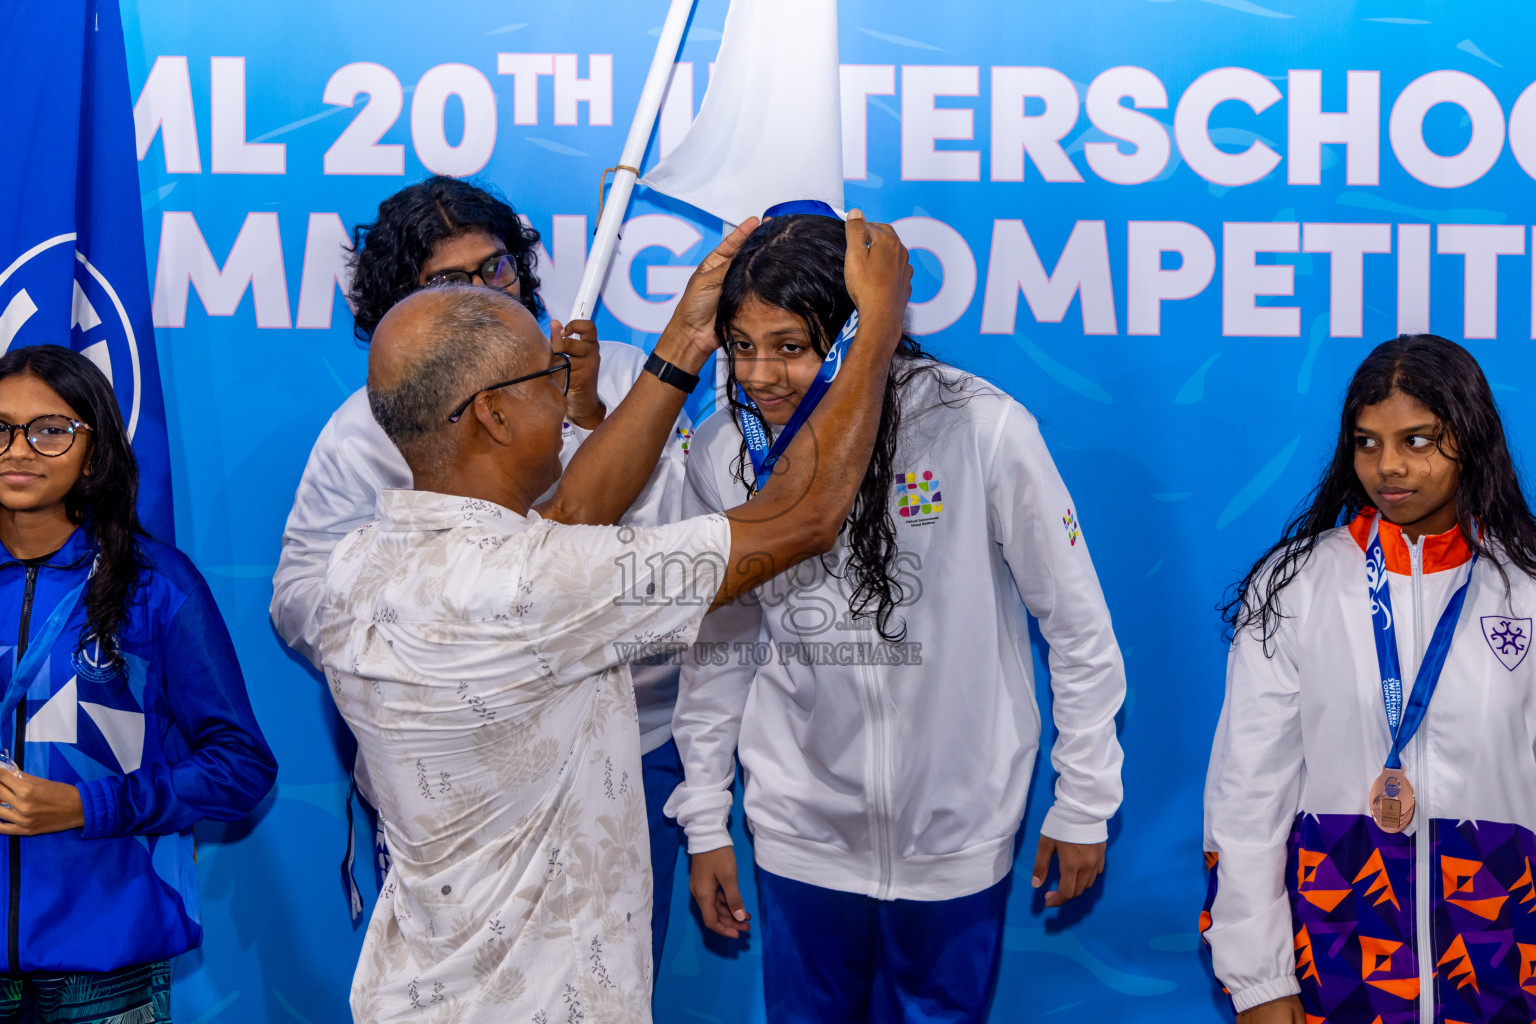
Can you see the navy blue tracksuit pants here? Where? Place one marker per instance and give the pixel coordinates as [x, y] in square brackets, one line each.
[834, 957]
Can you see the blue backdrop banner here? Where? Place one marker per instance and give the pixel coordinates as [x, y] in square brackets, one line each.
[1171, 228]
[74, 270]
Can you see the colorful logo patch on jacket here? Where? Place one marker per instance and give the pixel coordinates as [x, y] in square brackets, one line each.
[684, 439]
[1509, 639]
[918, 497]
[1070, 522]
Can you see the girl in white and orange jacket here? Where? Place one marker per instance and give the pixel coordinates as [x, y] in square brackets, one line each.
[1342, 890]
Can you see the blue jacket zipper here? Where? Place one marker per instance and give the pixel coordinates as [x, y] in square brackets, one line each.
[21, 753]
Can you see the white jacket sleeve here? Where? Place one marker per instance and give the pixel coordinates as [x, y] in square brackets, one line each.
[710, 696]
[1252, 793]
[351, 462]
[1034, 520]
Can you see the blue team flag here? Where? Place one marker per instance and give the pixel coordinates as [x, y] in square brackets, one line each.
[72, 266]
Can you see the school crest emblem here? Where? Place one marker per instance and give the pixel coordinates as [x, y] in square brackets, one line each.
[1509, 639]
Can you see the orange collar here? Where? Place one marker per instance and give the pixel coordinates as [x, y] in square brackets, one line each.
[1442, 551]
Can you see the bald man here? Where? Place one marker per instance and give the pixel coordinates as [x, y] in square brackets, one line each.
[477, 643]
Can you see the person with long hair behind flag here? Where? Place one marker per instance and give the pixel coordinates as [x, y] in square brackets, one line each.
[1371, 797]
[881, 698]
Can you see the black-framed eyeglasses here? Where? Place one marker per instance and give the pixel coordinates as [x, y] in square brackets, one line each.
[564, 367]
[499, 271]
[50, 435]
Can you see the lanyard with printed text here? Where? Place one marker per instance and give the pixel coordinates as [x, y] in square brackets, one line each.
[1404, 722]
[765, 455]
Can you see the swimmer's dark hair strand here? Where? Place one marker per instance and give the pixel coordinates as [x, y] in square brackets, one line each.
[795, 262]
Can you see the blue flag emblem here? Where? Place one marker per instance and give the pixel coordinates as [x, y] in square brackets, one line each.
[72, 264]
[99, 324]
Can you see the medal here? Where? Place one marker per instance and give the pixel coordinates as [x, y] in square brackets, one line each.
[1391, 800]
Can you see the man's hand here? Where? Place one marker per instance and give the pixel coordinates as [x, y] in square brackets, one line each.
[611, 468]
[578, 339]
[1081, 864]
[1277, 1011]
[30, 806]
[690, 335]
[877, 271]
[712, 880]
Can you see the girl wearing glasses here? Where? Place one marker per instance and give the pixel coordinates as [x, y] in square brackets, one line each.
[124, 711]
[1370, 808]
[882, 698]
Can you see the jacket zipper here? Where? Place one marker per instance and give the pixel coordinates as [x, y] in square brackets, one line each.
[880, 757]
[14, 930]
[1421, 839]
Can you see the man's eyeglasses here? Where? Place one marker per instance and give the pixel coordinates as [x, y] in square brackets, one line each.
[48, 435]
[564, 367]
[499, 271]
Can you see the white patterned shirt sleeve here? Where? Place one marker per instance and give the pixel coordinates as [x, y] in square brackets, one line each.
[604, 596]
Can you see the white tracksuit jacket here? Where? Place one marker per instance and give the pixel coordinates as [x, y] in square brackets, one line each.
[353, 460]
[867, 770]
[1438, 923]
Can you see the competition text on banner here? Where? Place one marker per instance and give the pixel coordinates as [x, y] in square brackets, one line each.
[1034, 112]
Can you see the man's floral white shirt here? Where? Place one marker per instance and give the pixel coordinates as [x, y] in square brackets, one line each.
[479, 657]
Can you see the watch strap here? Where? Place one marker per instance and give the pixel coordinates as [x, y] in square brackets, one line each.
[669, 373]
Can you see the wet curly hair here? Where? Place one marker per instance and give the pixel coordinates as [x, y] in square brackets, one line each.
[388, 254]
[795, 263]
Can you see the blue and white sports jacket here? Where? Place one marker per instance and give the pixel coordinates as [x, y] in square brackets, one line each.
[154, 747]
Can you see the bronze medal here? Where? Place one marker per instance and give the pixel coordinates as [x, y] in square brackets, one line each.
[1392, 800]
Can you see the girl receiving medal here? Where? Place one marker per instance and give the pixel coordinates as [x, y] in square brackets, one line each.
[882, 698]
[1371, 798]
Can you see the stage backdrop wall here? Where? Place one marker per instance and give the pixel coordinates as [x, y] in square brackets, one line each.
[1181, 310]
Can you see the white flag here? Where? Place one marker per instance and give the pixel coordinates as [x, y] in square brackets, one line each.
[770, 127]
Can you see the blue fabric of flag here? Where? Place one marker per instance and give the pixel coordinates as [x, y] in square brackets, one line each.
[72, 266]
[811, 206]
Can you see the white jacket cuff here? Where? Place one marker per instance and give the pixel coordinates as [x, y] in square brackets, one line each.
[1265, 991]
[705, 815]
[1069, 826]
[704, 840]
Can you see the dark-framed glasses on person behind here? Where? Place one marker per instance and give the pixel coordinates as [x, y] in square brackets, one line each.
[562, 367]
[499, 271]
[50, 435]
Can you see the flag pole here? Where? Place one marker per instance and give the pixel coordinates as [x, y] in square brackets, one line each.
[646, 111]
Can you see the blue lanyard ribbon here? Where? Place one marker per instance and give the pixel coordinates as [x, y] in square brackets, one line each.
[381, 861]
[24, 669]
[1402, 722]
[765, 455]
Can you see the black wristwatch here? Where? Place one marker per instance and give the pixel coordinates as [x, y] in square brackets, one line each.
[669, 373]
